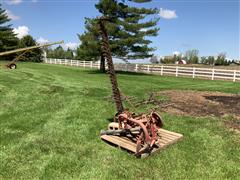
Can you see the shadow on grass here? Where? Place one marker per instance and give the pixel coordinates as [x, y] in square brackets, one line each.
[110, 119]
[119, 72]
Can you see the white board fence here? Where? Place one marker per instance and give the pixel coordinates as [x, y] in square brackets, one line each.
[209, 73]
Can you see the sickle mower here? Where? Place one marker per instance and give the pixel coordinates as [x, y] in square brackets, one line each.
[139, 134]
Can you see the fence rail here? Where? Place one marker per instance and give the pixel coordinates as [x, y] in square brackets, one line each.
[214, 74]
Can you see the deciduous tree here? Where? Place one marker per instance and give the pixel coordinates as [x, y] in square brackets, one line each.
[35, 55]
[192, 56]
[221, 60]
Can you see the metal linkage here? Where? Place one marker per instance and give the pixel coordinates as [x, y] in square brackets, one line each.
[148, 124]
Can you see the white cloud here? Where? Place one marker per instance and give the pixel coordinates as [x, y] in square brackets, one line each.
[71, 45]
[12, 16]
[167, 13]
[21, 31]
[41, 40]
[177, 53]
[144, 29]
[14, 2]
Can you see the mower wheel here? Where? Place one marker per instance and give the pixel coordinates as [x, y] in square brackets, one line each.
[12, 66]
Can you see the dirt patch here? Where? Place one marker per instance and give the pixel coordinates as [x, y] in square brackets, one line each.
[197, 103]
[233, 124]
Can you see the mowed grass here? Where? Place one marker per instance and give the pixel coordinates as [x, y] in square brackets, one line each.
[51, 116]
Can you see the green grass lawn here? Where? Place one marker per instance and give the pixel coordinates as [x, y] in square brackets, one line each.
[51, 116]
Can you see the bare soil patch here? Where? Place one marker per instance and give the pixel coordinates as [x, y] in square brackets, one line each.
[193, 103]
[196, 103]
[235, 124]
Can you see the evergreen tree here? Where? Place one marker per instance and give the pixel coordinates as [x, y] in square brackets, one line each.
[127, 29]
[90, 48]
[8, 40]
[34, 55]
[69, 54]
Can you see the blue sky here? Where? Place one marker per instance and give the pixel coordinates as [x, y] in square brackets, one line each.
[209, 26]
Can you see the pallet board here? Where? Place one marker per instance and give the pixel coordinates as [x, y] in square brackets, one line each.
[166, 138]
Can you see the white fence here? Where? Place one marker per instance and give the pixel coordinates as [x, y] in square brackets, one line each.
[214, 74]
[70, 62]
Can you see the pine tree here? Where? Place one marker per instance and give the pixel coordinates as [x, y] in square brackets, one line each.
[90, 46]
[8, 39]
[127, 31]
[69, 54]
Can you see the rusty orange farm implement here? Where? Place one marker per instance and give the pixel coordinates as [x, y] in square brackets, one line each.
[13, 64]
[140, 134]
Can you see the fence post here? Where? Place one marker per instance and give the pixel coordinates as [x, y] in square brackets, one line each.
[84, 64]
[213, 72]
[91, 64]
[161, 70]
[148, 68]
[176, 71]
[194, 70]
[136, 67]
[99, 65]
[234, 75]
[77, 63]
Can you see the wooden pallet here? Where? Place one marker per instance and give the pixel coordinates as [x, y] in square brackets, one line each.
[166, 138]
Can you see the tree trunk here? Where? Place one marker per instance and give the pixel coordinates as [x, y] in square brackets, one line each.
[102, 64]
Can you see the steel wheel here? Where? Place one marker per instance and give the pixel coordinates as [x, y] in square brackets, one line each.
[12, 66]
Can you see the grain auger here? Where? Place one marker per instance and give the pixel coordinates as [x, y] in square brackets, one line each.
[12, 64]
[141, 134]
